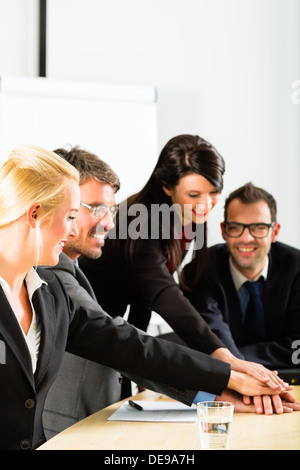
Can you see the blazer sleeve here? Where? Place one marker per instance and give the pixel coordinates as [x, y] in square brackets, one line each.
[155, 364]
[163, 295]
[100, 338]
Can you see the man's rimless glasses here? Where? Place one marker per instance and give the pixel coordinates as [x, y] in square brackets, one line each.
[101, 210]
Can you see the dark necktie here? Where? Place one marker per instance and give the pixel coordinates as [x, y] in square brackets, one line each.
[254, 325]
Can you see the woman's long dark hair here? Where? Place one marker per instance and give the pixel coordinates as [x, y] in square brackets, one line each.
[182, 155]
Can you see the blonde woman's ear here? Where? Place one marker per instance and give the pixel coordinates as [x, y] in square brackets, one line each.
[32, 215]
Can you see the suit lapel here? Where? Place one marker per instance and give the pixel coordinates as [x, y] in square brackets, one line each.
[14, 338]
[43, 303]
[83, 281]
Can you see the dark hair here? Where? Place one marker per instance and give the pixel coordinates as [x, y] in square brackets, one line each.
[249, 194]
[90, 166]
[182, 155]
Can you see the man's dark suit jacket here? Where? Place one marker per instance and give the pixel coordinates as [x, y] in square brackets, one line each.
[86, 332]
[216, 299]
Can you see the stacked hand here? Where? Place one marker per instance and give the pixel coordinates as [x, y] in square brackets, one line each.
[268, 391]
[287, 404]
[282, 403]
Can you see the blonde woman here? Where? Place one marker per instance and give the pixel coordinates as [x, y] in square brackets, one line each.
[39, 199]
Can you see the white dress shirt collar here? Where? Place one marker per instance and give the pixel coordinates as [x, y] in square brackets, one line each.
[239, 279]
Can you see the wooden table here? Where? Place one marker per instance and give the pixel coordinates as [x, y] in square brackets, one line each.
[249, 431]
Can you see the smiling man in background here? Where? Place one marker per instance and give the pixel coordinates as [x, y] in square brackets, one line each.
[84, 387]
[252, 258]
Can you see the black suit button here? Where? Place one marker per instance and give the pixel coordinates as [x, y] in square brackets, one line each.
[30, 403]
[25, 444]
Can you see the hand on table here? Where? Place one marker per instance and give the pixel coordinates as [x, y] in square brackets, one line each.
[282, 403]
[237, 399]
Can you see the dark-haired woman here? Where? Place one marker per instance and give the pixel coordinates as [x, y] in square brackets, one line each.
[145, 249]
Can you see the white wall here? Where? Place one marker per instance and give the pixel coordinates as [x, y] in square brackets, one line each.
[18, 37]
[223, 69]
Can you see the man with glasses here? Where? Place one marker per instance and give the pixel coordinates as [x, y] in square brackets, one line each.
[253, 258]
[84, 387]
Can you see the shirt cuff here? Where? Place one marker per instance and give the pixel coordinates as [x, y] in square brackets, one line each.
[204, 396]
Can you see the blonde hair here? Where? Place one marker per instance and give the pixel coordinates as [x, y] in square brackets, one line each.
[33, 174]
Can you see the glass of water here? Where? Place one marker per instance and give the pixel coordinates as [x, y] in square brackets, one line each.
[214, 420]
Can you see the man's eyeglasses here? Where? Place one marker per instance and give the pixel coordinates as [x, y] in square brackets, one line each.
[101, 210]
[235, 229]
